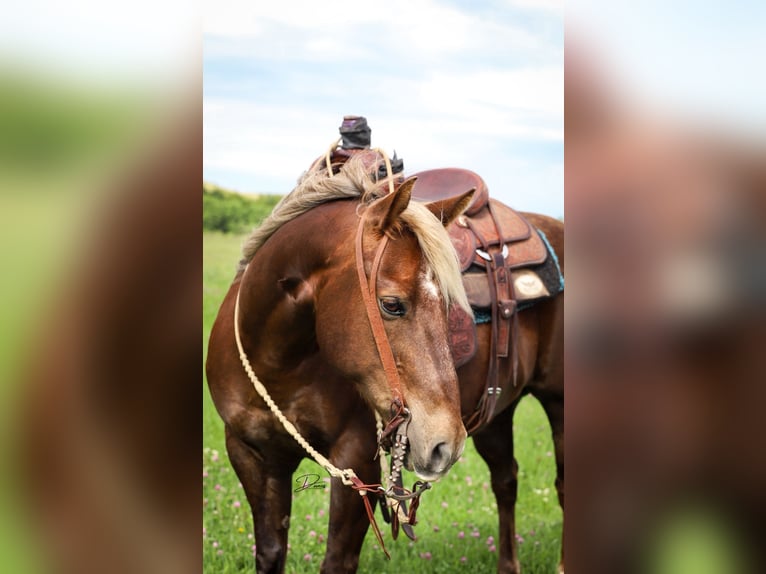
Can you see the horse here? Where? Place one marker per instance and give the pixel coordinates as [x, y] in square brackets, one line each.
[310, 337]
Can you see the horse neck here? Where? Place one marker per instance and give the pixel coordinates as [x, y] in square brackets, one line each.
[276, 310]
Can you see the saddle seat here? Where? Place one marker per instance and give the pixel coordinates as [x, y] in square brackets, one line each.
[449, 182]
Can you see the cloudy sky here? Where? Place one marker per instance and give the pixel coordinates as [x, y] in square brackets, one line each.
[472, 84]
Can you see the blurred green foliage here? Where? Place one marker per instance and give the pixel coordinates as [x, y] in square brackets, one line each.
[231, 212]
[52, 129]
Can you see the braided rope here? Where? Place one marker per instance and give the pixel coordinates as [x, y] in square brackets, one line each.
[383, 154]
[389, 173]
[345, 475]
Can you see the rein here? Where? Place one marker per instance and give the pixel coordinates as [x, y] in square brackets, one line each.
[395, 495]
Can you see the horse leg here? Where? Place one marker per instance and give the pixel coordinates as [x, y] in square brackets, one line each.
[553, 405]
[267, 489]
[348, 517]
[495, 445]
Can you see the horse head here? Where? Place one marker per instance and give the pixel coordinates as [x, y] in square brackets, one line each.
[403, 251]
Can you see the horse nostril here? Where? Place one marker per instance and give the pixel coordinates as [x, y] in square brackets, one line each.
[440, 456]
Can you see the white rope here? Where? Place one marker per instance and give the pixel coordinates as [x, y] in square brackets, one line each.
[385, 478]
[328, 155]
[383, 154]
[345, 475]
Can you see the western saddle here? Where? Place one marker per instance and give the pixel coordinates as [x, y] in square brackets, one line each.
[494, 244]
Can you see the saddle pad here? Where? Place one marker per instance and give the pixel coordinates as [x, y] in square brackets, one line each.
[531, 284]
[448, 182]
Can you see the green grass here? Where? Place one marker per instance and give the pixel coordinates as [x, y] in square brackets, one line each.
[460, 503]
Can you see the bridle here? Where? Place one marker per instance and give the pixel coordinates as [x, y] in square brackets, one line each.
[394, 495]
[400, 414]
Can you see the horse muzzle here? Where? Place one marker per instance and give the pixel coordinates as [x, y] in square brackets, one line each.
[439, 457]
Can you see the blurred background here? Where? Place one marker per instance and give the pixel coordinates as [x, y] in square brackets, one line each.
[664, 179]
[100, 224]
[100, 232]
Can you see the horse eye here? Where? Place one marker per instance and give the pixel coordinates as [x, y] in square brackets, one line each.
[392, 306]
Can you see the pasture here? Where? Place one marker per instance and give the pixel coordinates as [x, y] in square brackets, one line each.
[457, 518]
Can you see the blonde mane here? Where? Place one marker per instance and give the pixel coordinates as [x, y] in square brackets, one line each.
[353, 181]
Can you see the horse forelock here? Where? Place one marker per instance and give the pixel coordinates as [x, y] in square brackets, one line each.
[438, 253]
[353, 181]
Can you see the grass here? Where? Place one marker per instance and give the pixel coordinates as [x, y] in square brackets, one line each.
[457, 519]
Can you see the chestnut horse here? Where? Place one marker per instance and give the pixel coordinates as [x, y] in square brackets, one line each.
[306, 332]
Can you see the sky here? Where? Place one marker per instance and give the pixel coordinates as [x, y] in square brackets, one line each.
[695, 62]
[478, 85]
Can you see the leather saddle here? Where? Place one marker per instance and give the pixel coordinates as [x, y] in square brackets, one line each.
[495, 245]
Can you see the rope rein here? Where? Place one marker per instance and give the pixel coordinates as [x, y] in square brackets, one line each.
[394, 494]
[345, 475]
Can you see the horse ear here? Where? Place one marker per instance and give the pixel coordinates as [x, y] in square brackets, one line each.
[388, 208]
[448, 210]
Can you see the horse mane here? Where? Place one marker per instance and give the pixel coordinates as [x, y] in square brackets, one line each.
[353, 181]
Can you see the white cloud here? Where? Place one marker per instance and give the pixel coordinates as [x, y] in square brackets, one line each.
[552, 6]
[442, 85]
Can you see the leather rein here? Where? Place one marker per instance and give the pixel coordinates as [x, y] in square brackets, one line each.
[395, 496]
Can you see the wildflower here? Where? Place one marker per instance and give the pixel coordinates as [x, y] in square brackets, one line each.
[320, 538]
[549, 453]
[307, 557]
[214, 456]
[204, 531]
[320, 514]
[436, 529]
[475, 534]
[445, 505]
[519, 539]
[461, 534]
[463, 559]
[204, 474]
[240, 530]
[220, 553]
[468, 480]
[492, 548]
[215, 544]
[312, 534]
[490, 540]
[309, 517]
[236, 504]
[531, 532]
[217, 487]
[425, 555]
